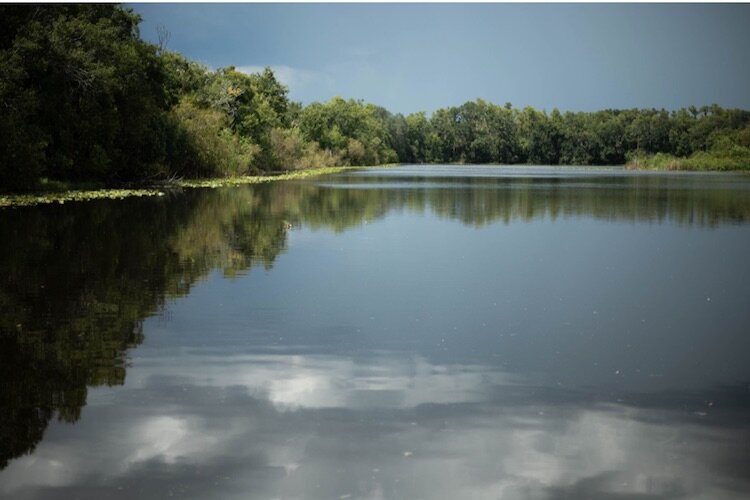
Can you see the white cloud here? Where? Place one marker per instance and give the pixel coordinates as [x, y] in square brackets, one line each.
[279, 425]
[319, 381]
[296, 79]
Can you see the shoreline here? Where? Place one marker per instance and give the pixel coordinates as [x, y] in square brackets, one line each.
[700, 162]
[13, 200]
[74, 195]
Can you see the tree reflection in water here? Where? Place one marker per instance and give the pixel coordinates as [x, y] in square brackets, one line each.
[77, 280]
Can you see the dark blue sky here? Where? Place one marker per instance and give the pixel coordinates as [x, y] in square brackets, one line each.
[412, 57]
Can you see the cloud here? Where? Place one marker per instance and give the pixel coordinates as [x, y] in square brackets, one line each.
[226, 428]
[320, 381]
[297, 79]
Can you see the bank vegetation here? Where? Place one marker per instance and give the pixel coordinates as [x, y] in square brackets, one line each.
[85, 99]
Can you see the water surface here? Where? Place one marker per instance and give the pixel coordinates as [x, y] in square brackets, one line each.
[411, 332]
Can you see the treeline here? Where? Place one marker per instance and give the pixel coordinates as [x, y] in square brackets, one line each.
[83, 98]
[482, 132]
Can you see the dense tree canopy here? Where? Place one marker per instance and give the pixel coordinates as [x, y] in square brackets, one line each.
[83, 98]
[356, 131]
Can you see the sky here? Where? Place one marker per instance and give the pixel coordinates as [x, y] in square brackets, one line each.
[421, 57]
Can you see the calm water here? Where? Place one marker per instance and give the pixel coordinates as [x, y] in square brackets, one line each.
[414, 332]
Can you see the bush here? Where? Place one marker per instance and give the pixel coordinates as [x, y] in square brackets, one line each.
[290, 151]
[202, 145]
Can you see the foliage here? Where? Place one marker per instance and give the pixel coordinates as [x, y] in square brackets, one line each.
[85, 94]
[83, 98]
[203, 146]
[726, 150]
[476, 132]
[259, 179]
[349, 129]
[71, 195]
[290, 151]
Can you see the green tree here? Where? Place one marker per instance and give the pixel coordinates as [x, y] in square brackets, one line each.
[350, 129]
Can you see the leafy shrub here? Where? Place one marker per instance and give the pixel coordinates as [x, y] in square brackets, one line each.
[203, 146]
[290, 151]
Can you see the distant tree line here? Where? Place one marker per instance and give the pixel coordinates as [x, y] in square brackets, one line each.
[84, 98]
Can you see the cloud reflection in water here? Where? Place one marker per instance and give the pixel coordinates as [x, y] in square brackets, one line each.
[389, 426]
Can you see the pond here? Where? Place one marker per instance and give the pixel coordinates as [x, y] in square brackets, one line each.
[405, 332]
